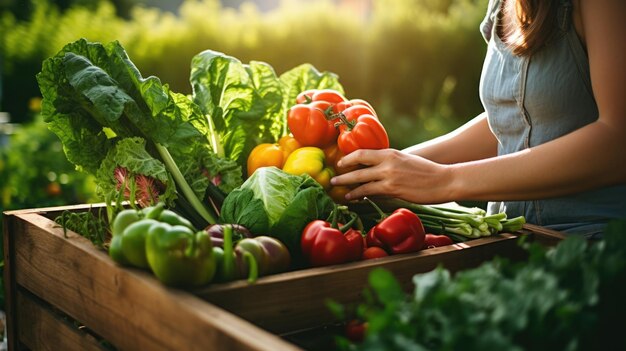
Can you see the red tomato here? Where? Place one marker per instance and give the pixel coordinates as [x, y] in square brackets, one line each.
[353, 113]
[361, 104]
[333, 155]
[329, 95]
[366, 133]
[305, 97]
[432, 240]
[374, 252]
[355, 330]
[309, 125]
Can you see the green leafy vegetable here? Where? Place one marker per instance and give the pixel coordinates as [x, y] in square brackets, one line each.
[150, 144]
[305, 77]
[95, 98]
[274, 203]
[242, 102]
[88, 224]
[566, 298]
[246, 104]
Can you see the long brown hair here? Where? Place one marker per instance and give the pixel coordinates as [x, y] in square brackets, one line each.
[533, 22]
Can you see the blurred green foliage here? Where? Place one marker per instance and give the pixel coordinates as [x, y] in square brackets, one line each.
[417, 61]
[35, 173]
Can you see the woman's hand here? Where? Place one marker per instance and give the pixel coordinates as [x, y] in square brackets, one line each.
[390, 172]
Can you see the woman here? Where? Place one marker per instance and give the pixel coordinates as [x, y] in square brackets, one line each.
[551, 144]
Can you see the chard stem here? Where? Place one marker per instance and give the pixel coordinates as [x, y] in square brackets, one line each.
[184, 186]
[214, 138]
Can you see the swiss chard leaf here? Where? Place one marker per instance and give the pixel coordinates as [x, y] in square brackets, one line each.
[89, 88]
[94, 97]
[131, 154]
[242, 102]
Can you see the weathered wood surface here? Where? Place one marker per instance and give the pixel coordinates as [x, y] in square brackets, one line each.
[41, 328]
[297, 300]
[127, 307]
[132, 310]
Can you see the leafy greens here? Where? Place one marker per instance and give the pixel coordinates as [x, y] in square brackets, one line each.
[565, 298]
[132, 131]
[246, 104]
[272, 202]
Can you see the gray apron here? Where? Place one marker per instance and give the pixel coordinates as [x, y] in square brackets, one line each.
[532, 100]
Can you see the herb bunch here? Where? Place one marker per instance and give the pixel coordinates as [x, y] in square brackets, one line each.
[570, 297]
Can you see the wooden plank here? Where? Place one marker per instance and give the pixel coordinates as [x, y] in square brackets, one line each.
[544, 236]
[55, 210]
[132, 310]
[40, 328]
[296, 300]
[127, 307]
[9, 281]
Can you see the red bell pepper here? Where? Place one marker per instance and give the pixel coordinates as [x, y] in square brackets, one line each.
[326, 243]
[400, 232]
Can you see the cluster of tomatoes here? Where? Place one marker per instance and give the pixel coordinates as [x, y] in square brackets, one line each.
[324, 126]
[325, 117]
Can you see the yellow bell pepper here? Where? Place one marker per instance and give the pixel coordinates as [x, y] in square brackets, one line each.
[309, 160]
[271, 154]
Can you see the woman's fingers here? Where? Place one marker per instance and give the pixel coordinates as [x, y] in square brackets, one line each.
[373, 171]
[366, 189]
[363, 157]
[362, 175]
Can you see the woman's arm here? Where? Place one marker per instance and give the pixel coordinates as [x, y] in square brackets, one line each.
[472, 141]
[590, 157]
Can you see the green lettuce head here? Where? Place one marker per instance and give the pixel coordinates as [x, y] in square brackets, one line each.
[272, 202]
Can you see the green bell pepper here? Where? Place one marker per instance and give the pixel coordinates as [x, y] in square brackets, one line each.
[115, 250]
[124, 219]
[129, 229]
[169, 217]
[133, 242]
[178, 256]
[121, 221]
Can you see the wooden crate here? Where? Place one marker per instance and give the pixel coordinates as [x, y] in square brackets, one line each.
[65, 294]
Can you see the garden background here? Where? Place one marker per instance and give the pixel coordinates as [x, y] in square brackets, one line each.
[417, 61]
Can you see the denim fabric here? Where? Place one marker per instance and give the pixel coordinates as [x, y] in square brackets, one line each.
[532, 100]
